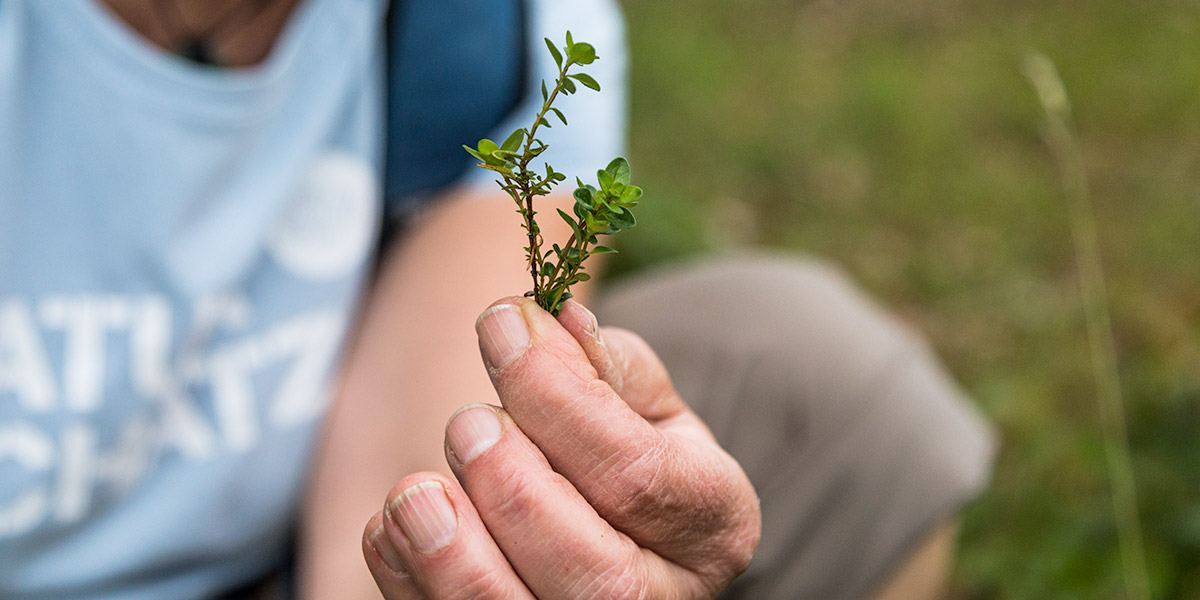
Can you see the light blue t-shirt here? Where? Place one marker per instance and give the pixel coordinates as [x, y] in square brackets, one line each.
[181, 252]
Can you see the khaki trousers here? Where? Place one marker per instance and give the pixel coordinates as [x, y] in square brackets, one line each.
[857, 442]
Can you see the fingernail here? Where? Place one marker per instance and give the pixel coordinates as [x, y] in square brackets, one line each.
[472, 430]
[425, 516]
[577, 316]
[384, 547]
[593, 324]
[503, 334]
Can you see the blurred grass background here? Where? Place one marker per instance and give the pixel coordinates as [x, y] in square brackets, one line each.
[901, 140]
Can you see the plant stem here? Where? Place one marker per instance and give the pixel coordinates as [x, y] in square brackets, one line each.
[537, 122]
[535, 245]
[1065, 147]
[523, 185]
[577, 237]
[526, 191]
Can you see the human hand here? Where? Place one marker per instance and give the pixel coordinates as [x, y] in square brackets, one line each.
[593, 481]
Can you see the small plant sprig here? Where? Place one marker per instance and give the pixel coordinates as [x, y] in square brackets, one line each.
[598, 211]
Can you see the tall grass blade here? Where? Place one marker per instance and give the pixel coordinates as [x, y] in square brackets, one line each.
[1065, 147]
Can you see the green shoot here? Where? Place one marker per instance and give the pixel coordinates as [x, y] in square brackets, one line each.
[602, 210]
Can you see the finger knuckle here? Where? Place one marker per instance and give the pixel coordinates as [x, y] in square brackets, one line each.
[734, 547]
[482, 583]
[515, 495]
[665, 481]
[740, 549]
[639, 492]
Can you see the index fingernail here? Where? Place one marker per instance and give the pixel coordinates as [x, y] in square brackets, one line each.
[503, 334]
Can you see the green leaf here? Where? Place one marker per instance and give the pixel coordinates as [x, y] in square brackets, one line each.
[583, 210]
[606, 179]
[619, 168]
[621, 219]
[583, 196]
[545, 94]
[505, 155]
[486, 146]
[610, 207]
[593, 224]
[501, 169]
[570, 41]
[567, 218]
[582, 276]
[582, 53]
[474, 152]
[587, 80]
[554, 52]
[513, 143]
[492, 160]
[547, 269]
[544, 123]
[603, 250]
[630, 195]
[559, 114]
[568, 86]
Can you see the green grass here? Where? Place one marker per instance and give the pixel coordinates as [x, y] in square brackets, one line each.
[901, 140]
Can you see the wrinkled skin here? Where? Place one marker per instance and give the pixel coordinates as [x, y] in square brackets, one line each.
[593, 480]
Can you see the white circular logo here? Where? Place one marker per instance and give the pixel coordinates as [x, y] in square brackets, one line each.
[329, 226]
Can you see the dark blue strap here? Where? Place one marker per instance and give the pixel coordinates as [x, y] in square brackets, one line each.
[456, 68]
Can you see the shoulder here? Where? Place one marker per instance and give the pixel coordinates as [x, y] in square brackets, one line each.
[596, 132]
[459, 70]
[454, 70]
[600, 18]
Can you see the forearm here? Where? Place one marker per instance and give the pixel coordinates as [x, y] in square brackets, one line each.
[415, 359]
